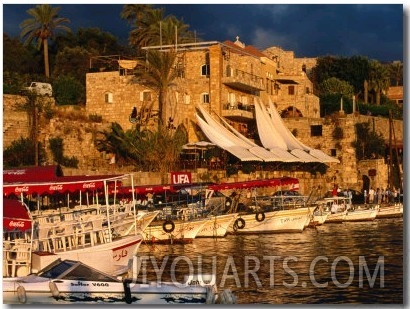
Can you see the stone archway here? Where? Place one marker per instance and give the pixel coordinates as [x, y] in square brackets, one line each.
[366, 183]
[291, 112]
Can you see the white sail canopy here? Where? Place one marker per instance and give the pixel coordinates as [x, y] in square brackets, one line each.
[279, 144]
[293, 142]
[225, 143]
[239, 140]
[272, 134]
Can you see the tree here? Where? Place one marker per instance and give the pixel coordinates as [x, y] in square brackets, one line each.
[33, 106]
[334, 85]
[158, 72]
[379, 79]
[369, 144]
[146, 149]
[396, 72]
[151, 27]
[42, 27]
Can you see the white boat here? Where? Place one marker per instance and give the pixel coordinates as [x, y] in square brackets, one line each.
[39, 244]
[342, 210]
[218, 226]
[318, 218]
[74, 282]
[361, 214]
[170, 231]
[390, 211]
[291, 220]
[129, 225]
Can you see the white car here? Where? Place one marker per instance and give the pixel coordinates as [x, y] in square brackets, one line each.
[40, 88]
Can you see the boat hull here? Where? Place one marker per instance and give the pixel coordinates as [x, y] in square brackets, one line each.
[391, 211]
[183, 231]
[95, 292]
[111, 258]
[361, 215]
[282, 221]
[218, 226]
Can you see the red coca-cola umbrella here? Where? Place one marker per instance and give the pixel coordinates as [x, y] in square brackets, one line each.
[16, 215]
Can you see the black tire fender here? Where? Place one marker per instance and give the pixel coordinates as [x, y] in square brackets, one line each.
[260, 216]
[239, 223]
[167, 228]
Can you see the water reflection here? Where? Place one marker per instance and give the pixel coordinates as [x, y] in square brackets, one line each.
[334, 263]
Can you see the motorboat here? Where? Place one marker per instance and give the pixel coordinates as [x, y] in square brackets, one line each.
[74, 282]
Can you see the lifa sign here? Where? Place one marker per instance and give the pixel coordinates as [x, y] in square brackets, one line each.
[180, 178]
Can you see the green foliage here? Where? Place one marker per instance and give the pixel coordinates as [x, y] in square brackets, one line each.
[369, 144]
[19, 153]
[68, 91]
[13, 83]
[148, 150]
[56, 147]
[49, 111]
[70, 162]
[334, 85]
[352, 70]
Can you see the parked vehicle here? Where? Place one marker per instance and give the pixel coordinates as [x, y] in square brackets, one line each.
[40, 88]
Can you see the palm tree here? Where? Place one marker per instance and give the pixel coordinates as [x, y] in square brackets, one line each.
[151, 27]
[42, 27]
[396, 72]
[379, 79]
[158, 72]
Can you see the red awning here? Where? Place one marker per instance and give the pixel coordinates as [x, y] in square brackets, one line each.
[274, 182]
[15, 215]
[62, 185]
[32, 174]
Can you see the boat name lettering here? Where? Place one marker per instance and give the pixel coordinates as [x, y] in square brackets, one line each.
[79, 283]
[21, 189]
[118, 254]
[288, 219]
[16, 224]
[56, 187]
[89, 185]
[100, 284]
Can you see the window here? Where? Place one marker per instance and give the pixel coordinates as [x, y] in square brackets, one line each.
[205, 98]
[307, 90]
[108, 97]
[291, 90]
[145, 96]
[205, 70]
[333, 152]
[316, 130]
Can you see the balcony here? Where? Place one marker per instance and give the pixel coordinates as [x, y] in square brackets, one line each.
[244, 81]
[238, 111]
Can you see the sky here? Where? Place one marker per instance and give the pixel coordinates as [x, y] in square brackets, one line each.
[309, 30]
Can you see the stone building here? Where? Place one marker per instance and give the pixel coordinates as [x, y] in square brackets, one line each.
[227, 79]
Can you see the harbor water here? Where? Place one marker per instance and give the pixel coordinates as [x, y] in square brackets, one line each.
[348, 263]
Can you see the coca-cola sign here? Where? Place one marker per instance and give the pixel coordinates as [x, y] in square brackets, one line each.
[21, 189]
[16, 224]
[55, 187]
[89, 185]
